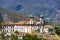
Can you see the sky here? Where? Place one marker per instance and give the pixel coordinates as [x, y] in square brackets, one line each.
[32, 6]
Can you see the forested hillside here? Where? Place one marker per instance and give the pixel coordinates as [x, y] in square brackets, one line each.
[12, 15]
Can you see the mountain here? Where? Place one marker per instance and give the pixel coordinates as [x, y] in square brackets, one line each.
[15, 16]
[12, 16]
[56, 19]
[48, 8]
[35, 7]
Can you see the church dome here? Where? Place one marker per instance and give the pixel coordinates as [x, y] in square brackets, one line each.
[41, 16]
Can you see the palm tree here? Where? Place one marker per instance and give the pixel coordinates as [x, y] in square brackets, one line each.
[16, 33]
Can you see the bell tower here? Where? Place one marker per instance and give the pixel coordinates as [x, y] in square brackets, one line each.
[41, 19]
[31, 19]
[41, 23]
[31, 22]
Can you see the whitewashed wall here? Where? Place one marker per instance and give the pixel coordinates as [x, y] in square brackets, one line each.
[22, 28]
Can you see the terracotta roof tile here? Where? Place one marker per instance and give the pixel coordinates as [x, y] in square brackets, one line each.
[23, 22]
[20, 22]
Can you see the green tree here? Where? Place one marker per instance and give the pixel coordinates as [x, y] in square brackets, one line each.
[14, 37]
[32, 37]
[16, 33]
[57, 30]
[47, 23]
[2, 36]
[2, 25]
[2, 28]
[41, 39]
[29, 37]
[51, 30]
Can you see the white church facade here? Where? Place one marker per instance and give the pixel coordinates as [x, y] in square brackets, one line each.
[26, 26]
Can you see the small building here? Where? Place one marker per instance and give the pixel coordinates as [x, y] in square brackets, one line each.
[47, 27]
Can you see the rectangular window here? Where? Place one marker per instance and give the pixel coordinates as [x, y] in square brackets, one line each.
[21, 29]
[7, 30]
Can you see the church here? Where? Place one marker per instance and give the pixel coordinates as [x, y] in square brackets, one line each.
[31, 26]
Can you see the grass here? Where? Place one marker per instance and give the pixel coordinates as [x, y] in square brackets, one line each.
[56, 37]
